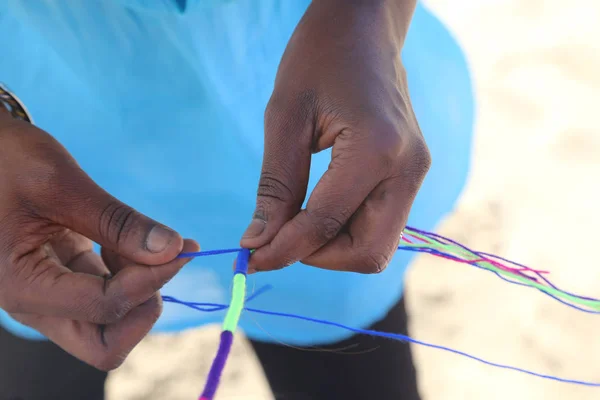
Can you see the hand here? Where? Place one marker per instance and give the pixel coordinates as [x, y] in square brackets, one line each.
[340, 84]
[96, 307]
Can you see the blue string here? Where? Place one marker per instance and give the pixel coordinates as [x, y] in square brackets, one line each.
[444, 240]
[476, 265]
[257, 293]
[440, 253]
[394, 336]
[212, 307]
[206, 307]
[540, 275]
[205, 253]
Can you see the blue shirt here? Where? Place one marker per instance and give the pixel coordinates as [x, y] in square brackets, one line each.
[162, 103]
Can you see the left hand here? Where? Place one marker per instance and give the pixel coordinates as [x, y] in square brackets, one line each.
[340, 84]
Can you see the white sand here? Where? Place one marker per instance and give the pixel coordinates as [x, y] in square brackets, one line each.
[536, 65]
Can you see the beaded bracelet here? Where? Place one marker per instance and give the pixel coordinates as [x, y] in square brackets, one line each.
[12, 104]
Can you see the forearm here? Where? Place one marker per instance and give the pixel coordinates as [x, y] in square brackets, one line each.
[394, 16]
[399, 14]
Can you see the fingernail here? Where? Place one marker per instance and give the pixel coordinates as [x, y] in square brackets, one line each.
[158, 239]
[256, 227]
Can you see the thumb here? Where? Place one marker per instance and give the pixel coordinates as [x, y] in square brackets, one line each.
[285, 170]
[86, 208]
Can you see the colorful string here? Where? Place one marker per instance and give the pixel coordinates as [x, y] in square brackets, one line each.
[234, 311]
[393, 336]
[414, 240]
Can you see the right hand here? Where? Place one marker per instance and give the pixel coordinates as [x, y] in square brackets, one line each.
[96, 307]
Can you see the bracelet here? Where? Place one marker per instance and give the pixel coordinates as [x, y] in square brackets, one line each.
[13, 105]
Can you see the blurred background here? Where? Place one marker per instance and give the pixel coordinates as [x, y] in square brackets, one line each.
[533, 196]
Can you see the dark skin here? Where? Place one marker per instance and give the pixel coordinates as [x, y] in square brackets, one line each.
[96, 307]
[340, 84]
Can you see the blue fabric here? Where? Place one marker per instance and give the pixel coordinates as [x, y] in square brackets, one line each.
[161, 102]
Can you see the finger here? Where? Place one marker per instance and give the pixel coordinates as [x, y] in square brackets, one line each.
[116, 263]
[89, 262]
[104, 347]
[371, 240]
[76, 252]
[285, 169]
[54, 290]
[342, 189]
[86, 208]
[113, 261]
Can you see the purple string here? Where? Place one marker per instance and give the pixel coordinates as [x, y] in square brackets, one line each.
[446, 241]
[227, 336]
[540, 275]
[437, 252]
[214, 376]
[443, 239]
[218, 364]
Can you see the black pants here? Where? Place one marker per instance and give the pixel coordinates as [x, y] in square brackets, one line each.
[372, 369]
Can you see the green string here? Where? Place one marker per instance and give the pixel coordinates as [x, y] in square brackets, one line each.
[238, 292]
[460, 252]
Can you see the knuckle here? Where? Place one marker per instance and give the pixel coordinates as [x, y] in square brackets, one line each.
[284, 263]
[418, 161]
[272, 186]
[393, 143]
[17, 285]
[422, 155]
[116, 222]
[389, 145]
[36, 271]
[108, 310]
[294, 108]
[394, 146]
[305, 100]
[277, 113]
[373, 263]
[326, 227]
[274, 109]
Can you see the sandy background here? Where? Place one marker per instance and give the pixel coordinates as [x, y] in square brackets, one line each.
[532, 197]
